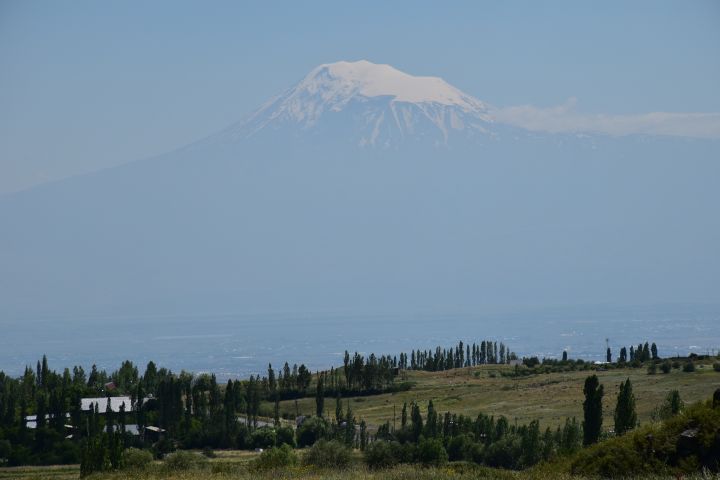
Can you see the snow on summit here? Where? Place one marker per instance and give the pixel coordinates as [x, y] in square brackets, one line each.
[374, 80]
[372, 105]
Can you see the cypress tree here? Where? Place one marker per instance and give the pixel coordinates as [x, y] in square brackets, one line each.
[592, 410]
[654, 351]
[417, 422]
[625, 416]
[319, 396]
[564, 356]
[338, 409]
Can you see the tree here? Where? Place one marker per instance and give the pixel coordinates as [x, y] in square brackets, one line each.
[625, 415]
[653, 351]
[592, 410]
[319, 397]
[623, 355]
[565, 356]
[417, 422]
[608, 355]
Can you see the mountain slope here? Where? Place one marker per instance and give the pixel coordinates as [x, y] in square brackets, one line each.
[290, 210]
[376, 104]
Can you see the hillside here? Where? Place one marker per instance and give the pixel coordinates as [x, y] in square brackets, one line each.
[549, 398]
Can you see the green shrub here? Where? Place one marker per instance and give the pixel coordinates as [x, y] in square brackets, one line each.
[460, 447]
[716, 366]
[285, 435]
[324, 454]
[381, 454]
[275, 458]
[503, 453]
[666, 367]
[311, 430]
[136, 459]
[689, 367]
[185, 460]
[431, 452]
[263, 437]
[208, 452]
[685, 443]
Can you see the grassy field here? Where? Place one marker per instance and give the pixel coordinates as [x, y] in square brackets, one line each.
[549, 398]
[228, 471]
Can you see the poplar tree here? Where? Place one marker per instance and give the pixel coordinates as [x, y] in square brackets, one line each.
[319, 397]
[592, 410]
[625, 415]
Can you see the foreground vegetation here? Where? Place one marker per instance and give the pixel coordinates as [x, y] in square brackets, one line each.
[444, 412]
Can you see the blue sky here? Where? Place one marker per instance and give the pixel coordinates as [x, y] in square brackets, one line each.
[87, 85]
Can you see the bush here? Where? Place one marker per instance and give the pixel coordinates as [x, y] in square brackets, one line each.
[652, 368]
[311, 430]
[460, 447]
[263, 437]
[683, 444]
[665, 367]
[136, 459]
[689, 367]
[285, 435]
[324, 454]
[380, 454]
[275, 458]
[503, 453]
[184, 460]
[716, 366]
[431, 452]
[208, 452]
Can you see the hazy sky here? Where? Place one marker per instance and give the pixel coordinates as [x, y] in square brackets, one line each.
[85, 85]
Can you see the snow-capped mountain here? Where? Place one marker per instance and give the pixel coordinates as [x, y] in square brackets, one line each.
[371, 105]
[302, 207]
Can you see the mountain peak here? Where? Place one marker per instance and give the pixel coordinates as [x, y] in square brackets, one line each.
[377, 80]
[372, 104]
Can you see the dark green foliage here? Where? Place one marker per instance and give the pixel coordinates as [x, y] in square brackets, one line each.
[184, 460]
[683, 444]
[665, 367]
[625, 415]
[671, 406]
[136, 459]
[460, 447]
[689, 366]
[716, 366]
[312, 430]
[263, 437]
[275, 458]
[320, 397]
[592, 410]
[430, 452]
[328, 454]
[285, 435]
[381, 454]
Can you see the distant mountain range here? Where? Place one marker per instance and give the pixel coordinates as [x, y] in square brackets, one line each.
[363, 187]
